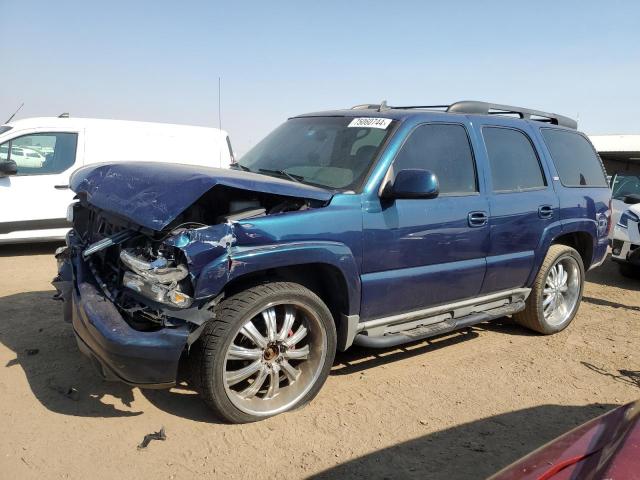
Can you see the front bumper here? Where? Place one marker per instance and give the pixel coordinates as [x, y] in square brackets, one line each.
[626, 244]
[141, 358]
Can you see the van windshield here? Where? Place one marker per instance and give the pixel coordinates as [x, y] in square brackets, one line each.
[331, 152]
[624, 185]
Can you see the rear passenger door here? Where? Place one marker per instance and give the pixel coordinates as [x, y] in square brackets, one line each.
[522, 202]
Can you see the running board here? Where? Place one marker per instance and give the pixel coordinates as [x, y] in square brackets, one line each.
[445, 326]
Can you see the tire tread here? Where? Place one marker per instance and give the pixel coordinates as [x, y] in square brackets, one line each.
[226, 316]
[532, 316]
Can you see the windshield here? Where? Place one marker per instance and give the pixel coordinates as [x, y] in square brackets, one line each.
[624, 185]
[332, 152]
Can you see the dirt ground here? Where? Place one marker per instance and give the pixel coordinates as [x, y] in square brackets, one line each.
[461, 406]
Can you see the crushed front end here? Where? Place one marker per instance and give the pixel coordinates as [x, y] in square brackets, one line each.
[129, 290]
[128, 295]
[131, 275]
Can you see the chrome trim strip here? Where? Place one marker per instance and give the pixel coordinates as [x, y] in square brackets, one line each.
[428, 312]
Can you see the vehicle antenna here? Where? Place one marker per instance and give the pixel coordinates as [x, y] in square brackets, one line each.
[15, 113]
[219, 104]
[220, 116]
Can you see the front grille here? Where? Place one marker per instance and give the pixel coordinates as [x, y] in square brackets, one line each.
[104, 264]
[100, 227]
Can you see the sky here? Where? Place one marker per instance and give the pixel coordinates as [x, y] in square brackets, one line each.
[160, 61]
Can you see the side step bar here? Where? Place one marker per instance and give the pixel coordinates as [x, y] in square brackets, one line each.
[446, 326]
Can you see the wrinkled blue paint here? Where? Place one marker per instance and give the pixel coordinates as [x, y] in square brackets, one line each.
[153, 194]
[331, 235]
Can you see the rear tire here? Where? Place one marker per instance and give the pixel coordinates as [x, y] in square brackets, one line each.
[556, 293]
[268, 350]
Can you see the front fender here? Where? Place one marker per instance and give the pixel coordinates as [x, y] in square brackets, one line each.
[242, 260]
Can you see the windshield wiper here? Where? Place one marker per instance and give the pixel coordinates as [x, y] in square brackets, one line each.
[238, 166]
[282, 173]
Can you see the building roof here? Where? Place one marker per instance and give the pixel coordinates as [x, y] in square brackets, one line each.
[616, 143]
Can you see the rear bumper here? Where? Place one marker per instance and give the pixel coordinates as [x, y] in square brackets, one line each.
[140, 358]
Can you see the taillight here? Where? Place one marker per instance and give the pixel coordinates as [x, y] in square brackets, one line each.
[609, 217]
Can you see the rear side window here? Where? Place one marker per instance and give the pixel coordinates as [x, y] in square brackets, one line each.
[443, 149]
[574, 158]
[514, 164]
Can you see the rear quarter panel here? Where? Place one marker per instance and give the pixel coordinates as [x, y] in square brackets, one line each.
[582, 209]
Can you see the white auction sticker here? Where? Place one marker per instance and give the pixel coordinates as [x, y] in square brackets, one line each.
[367, 122]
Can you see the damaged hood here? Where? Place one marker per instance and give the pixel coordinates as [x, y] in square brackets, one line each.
[154, 194]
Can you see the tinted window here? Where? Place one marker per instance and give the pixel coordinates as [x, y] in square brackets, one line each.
[444, 149]
[514, 163]
[42, 153]
[574, 158]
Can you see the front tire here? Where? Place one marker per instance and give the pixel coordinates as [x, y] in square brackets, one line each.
[268, 350]
[556, 293]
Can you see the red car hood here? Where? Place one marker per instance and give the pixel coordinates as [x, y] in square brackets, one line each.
[605, 447]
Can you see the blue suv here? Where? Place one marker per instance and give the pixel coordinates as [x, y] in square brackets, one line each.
[371, 226]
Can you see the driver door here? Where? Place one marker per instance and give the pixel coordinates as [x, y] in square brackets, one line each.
[38, 194]
[420, 253]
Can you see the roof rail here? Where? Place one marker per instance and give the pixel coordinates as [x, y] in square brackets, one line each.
[486, 108]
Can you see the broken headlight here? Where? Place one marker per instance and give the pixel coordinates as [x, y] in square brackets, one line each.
[157, 279]
[70, 209]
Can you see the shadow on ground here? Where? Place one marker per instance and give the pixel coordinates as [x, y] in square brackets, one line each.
[628, 377]
[357, 359]
[469, 451]
[62, 378]
[608, 274]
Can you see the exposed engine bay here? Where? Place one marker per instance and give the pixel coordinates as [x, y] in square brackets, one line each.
[146, 273]
[224, 204]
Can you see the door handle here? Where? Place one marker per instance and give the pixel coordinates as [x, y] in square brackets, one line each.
[478, 219]
[61, 187]
[545, 211]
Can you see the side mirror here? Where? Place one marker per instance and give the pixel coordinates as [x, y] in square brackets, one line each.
[413, 183]
[8, 168]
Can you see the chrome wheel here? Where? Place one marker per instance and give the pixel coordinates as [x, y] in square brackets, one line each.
[561, 291]
[274, 358]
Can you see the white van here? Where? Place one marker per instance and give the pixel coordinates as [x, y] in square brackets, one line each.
[37, 155]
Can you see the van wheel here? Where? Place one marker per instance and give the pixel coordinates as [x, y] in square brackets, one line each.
[629, 271]
[268, 350]
[556, 293]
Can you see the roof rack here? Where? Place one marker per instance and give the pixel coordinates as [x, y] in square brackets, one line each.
[486, 108]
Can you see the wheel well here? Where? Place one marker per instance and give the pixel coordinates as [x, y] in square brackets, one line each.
[324, 280]
[582, 242]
